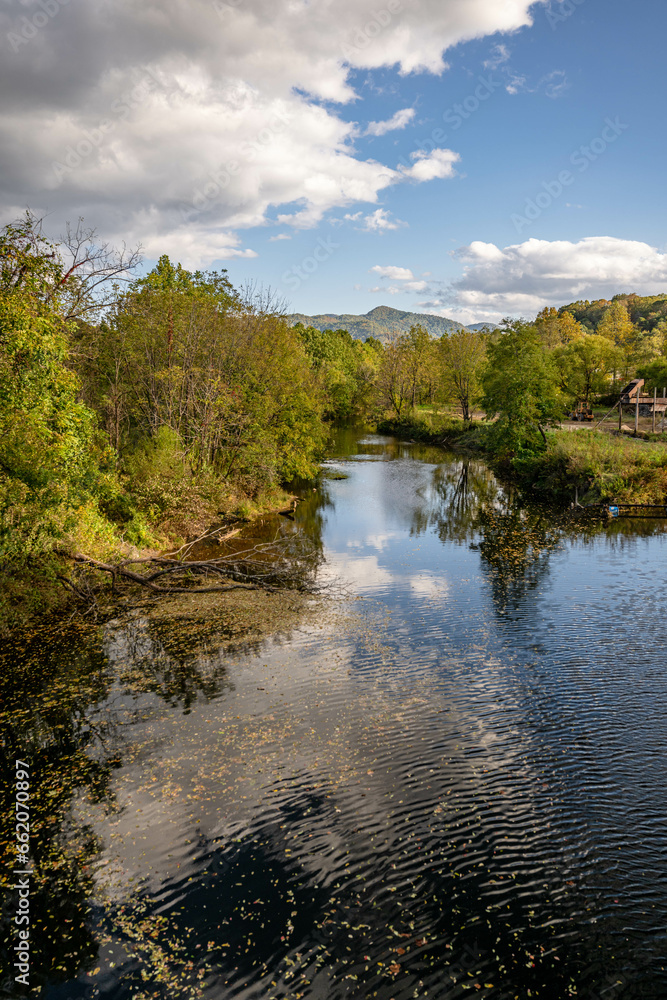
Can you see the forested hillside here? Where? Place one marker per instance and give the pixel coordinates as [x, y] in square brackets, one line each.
[380, 323]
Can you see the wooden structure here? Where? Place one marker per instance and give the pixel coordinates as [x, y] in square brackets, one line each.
[632, 396]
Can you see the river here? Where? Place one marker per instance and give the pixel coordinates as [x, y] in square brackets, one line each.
[447, 778]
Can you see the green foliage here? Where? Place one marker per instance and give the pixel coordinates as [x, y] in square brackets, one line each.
[646, 312]
[346, 368]
[49, 462]
[585, 365]
[408, 373]
[462, 357]
[557, 328]
[520, 386]
[655, 375]
[228, 385]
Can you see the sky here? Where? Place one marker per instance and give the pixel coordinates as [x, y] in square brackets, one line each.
[468, 158]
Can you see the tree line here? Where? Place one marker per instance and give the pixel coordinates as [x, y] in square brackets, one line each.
[124, 399]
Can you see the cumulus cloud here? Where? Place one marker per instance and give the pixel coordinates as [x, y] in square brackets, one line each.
[408, 282]
[522, 279]
[196, 247]
[198, 119]
[439, 163]
[397, 121]
[392, 272]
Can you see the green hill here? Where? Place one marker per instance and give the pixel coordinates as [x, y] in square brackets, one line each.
[646, 311]
[380, 322]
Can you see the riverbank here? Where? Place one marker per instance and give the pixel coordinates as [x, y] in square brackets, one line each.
[155, 518]
[597, 467]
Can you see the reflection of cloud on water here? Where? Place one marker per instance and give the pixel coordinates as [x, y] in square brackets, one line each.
[378, 541]
[363, 573]
[429, 586]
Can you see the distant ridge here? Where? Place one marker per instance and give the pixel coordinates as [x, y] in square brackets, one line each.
[482, 327]
[380, 322]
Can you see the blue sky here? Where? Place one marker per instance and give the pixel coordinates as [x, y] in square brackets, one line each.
[444, 156]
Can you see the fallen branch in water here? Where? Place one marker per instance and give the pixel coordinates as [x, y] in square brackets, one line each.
[258, 567]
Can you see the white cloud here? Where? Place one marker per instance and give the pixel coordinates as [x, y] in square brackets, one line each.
[397, 121]
[439, 163]
[522, 279]
[392, 272]
[195, 247]
[516, 84]
[378, 221]
[196, 119]
[280, 236]
[408, 282]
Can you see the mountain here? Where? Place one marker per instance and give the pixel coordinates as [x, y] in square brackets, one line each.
[380, 322]
[481, 327]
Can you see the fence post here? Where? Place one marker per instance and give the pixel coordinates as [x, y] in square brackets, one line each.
[655, 400]
[637, 413]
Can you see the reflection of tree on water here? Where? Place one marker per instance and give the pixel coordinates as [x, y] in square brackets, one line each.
[515, 539]
[515, 545]
[176, 659]
[462, 489]
[46, 690]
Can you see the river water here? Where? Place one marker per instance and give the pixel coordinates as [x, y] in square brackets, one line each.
[447, 780]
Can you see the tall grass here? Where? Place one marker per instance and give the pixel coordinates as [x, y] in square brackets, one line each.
[602, 466]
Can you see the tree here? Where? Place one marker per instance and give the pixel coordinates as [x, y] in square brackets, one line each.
[417, 346]
[556, 328]
[48, 455]
[229, 385]
[618, 328]
[346, 367]
[585, 364]
[395, 376]
[78, 275]
[462, 356]
[521, 386]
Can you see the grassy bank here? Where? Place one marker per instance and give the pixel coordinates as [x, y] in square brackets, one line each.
[158, 513]
[600, 466]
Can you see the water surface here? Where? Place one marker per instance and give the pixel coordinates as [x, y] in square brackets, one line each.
[447, 779]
